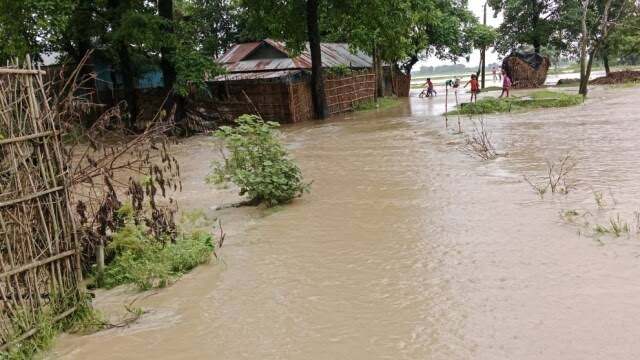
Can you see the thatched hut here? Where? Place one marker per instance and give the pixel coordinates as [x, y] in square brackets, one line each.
[526, 70]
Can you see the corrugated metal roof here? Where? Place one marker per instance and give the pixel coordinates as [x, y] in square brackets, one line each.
[333, 54]
[256, 75]
[238, 52]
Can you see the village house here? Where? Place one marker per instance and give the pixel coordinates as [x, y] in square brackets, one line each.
[262, 77]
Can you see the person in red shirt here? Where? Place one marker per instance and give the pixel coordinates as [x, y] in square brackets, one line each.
[475, 89]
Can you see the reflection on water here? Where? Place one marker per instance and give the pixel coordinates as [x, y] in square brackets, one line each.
[408, 249]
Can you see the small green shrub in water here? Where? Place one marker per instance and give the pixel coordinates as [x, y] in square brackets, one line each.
[617, 227]
[148, 263]
[258, 162]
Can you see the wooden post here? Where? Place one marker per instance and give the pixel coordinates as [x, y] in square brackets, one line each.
[446, 104]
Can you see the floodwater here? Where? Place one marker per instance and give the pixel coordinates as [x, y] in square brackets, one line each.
[407, 248]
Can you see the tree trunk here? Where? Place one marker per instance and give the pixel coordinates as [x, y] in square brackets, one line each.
[605, 61]
[406, 67]
[169, 75]
[482, 60]
[379, 70]
[165, 10]
[128, 84]
[584, 78]
[317, 80]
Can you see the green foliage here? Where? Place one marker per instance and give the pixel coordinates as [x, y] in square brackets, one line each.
[340, 70]
[536, 23]
[397, 29]
[599, 199]
[31, 27]
[615, 228]
[84, 319]
[258, 162]
[623, 44]
[537, 99]
[569, 215]
[483, 36]
[147, 263]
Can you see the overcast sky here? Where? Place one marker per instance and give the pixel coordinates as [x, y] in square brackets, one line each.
[475, 6]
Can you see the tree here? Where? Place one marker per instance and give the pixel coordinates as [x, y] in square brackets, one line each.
[30, 27]
[284, 20]
[623, 43]
[599, 19]
[528, 22]
[216, 24]
[405, 30]
[483, 36]
[444, 29]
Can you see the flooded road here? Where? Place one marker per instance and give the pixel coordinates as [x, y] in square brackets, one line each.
[408, 249]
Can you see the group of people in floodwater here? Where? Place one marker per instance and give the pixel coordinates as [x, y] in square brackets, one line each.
[428, 89]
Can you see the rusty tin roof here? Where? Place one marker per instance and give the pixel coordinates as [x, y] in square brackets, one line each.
[333, 54]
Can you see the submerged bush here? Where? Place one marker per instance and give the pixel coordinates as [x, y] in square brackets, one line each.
[258, 162]
[147, 263]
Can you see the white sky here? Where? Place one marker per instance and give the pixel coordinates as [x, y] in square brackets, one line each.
[477, 7]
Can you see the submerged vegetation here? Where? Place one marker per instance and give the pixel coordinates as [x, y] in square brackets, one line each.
[557, 178]
[84, 319]
[258, 163]
[140, 259]
[535, 100]
[616, 227]
[479, 143]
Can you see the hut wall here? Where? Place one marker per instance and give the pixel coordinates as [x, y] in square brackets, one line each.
[269, 98]
[401, 83]
[300, 104]
[283, 100]
[346, 92]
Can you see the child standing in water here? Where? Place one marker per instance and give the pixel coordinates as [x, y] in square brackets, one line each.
[475, 89]
[506, 83]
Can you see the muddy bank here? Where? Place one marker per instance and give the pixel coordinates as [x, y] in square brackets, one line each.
[408, 249]
[617, 77]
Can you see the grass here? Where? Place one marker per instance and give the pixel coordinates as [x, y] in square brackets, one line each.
[382, 103]
[615, 228]
[599, 199]
[569, 215]
[139, 259]
[535, 100]
[84, 319]
[148, 263]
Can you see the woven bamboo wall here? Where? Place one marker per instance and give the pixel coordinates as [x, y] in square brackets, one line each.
[346, 92]
[300, 104]
[268, 98]
[287, 101]
[401, 84]
[39, 258]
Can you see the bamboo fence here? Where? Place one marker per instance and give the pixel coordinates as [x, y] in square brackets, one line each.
[39, 250]
[345, 93]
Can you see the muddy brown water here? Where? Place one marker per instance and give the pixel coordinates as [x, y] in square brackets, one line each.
[408, 249]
